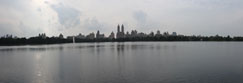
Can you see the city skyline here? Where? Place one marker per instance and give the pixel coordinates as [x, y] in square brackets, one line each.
[26, 18]
[119, 33]
[119, 36]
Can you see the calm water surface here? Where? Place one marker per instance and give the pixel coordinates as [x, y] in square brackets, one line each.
[129, 62]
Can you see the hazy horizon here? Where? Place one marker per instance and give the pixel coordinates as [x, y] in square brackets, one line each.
[27, 18]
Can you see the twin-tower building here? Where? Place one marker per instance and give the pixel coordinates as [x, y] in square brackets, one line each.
[120, 31]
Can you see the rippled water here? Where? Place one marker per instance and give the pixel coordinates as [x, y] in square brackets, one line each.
[129, 62]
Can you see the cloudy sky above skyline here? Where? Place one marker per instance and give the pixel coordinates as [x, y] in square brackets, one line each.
[27, 18]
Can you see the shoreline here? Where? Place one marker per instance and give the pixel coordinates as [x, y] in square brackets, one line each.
[1, 45]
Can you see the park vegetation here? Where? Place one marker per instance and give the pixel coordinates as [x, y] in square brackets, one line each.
[10, 40]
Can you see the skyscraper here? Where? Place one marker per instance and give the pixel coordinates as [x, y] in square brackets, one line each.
[118, 28]
[120, 33]
[122, 27]
[98, 34]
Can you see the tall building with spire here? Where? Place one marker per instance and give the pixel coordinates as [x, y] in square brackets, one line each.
[118, 28]
[120, 33]
[122, 27]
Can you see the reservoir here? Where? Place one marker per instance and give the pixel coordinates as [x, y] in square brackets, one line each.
[123, 62]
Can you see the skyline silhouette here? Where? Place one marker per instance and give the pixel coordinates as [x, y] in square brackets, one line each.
[120, 33]
[119, 36]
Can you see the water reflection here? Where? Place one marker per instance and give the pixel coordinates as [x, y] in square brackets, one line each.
[30, 48]
[120, 60]
[120, 49]
[125, 62]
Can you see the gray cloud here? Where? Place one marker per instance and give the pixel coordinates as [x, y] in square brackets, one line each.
[27, 31]
[19, 5]
[93, 24]
[10, 2]
[39, 9]
[11, 14]
[205, 17]
[140, 16]
[67, 16]
[6, 29]
[46, 2]
[142, 22]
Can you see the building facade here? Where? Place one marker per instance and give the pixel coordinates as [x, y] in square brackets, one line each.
[112, 35]
[99, 36]
[120, 33]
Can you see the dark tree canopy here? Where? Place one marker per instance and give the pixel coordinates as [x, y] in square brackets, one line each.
[55, 40]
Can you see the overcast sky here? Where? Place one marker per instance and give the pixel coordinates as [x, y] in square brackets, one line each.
[27, 18]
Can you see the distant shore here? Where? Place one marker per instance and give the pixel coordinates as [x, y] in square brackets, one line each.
[120, 36]
[57, 40]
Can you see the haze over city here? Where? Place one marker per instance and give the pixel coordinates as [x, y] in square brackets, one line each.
[26, 18]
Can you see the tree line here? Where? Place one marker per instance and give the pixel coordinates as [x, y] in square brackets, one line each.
[4, 41]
